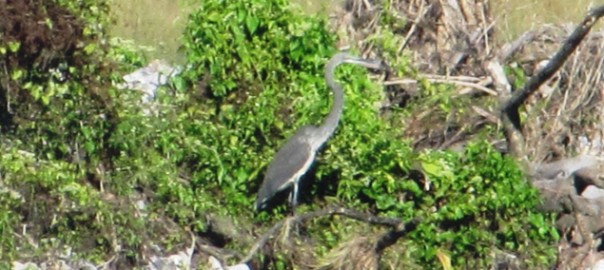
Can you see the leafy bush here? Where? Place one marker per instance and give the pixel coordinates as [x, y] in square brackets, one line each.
[248, 61]
[58, 114]
[478, 202]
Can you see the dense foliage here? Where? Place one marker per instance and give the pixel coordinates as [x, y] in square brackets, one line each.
[479, 203]
[56, 117]
[77, 155]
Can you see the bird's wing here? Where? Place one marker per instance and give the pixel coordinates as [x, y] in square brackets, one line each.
[290, 162]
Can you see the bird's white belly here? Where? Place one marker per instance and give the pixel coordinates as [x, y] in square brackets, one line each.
[304, 168]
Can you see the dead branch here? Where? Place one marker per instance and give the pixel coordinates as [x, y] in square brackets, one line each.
[509, 49]
[421, 14]
[451, 81]
[398, 228]
[391, 237]
[509, 110]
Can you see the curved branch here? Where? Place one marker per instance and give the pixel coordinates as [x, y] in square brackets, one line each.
[398, 227]
[391, 237]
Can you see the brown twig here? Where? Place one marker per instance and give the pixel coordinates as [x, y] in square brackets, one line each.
[510, 48]
[391, 237]
[449, 80]
[421, 14]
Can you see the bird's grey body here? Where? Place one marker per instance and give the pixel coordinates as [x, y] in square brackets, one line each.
[296, 156]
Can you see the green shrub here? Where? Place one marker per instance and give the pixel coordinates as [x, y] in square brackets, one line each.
[57, 123]
[254, 58]
[478, 203]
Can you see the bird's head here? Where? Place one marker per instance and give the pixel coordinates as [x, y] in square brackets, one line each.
[345, 57]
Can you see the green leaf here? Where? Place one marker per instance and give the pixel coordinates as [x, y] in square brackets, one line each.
[17, 74]
[13, 46]
[252, 23]
[90, 48]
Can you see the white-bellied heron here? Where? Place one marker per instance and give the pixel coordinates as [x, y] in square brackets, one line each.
[295, 157]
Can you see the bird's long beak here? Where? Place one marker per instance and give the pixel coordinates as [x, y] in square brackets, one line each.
[368, 63]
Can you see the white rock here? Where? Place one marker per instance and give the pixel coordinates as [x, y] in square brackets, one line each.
[148, 79]
[181, 260]
[25, 266]
[216, 265]
[599, 265]
[593, 192]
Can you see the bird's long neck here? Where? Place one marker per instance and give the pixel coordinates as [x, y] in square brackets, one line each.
[331, 122]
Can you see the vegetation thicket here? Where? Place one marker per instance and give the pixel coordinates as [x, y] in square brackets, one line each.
[78, 154]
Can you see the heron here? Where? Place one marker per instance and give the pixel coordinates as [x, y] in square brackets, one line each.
[296, 156]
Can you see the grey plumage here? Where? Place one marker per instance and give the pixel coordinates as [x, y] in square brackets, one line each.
[295, 157]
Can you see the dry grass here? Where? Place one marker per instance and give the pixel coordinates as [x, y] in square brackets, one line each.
[316, 6]
[154, 23]
[356, 253]
[514, 17]
[159, 23]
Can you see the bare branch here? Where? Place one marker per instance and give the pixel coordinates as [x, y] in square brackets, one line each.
[451, 80]
[391, 237]
[510, 108]
[399, 228]
[509, 49]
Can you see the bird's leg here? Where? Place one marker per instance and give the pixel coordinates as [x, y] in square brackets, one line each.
[294, 203]
[294, 198]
